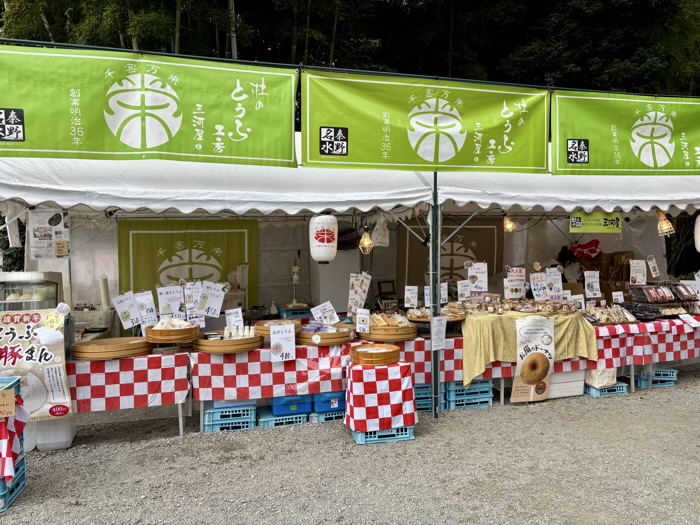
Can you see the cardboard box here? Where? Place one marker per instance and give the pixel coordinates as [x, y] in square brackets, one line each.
[612, 266]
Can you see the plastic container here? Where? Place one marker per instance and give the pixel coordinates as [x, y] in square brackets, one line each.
[329, 402]
[29, 437]
[291, 405]
[55, 434]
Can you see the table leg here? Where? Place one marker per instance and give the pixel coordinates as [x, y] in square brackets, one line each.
[650, 373]
[503, 385]
[632, 378]
[188, 406]
[201, 416]
[181, 420]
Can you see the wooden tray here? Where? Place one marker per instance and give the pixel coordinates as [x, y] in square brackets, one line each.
[106, 356]
[375, 354]
[265, 330]
[229, 346]
[450, 319]
[114, 344]
[172, 336]
[338, 338]
[390, 334]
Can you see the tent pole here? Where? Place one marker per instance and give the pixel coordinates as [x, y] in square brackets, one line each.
[435, 247]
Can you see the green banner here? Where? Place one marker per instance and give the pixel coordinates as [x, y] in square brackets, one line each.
[109, 105]
[595, 222]
[160, 253]
[612, 134]
[356, 121]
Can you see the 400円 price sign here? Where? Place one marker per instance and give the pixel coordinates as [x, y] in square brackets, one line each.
[397, 123]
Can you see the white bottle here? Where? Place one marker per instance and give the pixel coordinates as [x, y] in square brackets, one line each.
[273, 309]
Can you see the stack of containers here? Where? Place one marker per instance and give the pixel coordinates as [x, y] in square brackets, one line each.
[660, 378]
[478, 395]
[10, 492]
[424, 397]
[285, 411]
[328, 407]
[220, 416]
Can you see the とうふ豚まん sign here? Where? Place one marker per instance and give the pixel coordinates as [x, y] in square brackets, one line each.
[612, 134]
[87, 104]
[399, 123]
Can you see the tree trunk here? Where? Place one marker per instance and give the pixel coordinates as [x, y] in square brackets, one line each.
[178, 15]
[306, 40]
[121, 39]
[234, 44]
[293, 56]
[134, 38]
[46, 24]
[335, 26]
[216, 36]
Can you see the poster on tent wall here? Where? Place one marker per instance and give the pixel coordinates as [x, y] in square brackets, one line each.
[155, 254]
[422, 124]
[87, 104]
[480, 241]
[32, 348]
[613, 134]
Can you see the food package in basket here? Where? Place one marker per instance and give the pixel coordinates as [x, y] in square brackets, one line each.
[601, 378]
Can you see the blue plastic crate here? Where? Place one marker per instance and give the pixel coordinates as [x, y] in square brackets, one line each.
[619, 389]
[266, 419]
[290, 405]
[329, 402]
[426, 405]
[643, 382]
[456, 390]
[228, 404]
[326, 417]
[662, 373]
[9, 494]
[233, 425]
[383, 436]
[475, 401]
[224, 415]
[10, 382]
[294, 314]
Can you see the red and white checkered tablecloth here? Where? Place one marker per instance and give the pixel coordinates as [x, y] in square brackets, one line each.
[252, 375]
[380, 397]
[11, 430]
[132, 382]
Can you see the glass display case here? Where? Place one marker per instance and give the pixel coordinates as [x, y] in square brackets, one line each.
[23, 291]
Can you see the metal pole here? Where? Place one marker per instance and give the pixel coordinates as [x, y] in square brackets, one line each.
[435, 246]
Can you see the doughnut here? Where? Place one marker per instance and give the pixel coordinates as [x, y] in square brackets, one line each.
[535, 368]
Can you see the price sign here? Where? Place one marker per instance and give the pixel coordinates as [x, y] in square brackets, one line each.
[234, 318]
[60, 248]
[638, 271]
[127, 310]
[325, 313]
[193, 292]
[353, 290]
[54, 321]
[478, 275]
[363, 320]
[147, 308]
[410, 297]
[443, 293]
[689, 319]
[427, 301]
[555, 287]
[513, 288]
[538, 284]
[171, 302]
[592, 280]
[211, 299]
[653, 267]
[438, 328]
[517, 273]
[578, 298]
[618, 297]
[282, 342]
[566, 294]
[464, 290]
[7, 403]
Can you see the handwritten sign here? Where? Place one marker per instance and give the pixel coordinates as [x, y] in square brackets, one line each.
[410, 297]
[325, 313]
[638, 271]
[592, 284]
[354, 286]
[234, 318]
[618, 297]
[464, 290]
[147, 308]
[127, 310]
[363, 320]
[171, 302]
[193, 293]
[282, 343]
[517, 273]
[538, 284]
[54, 321]
[427, 300]
[211, 299]
[438, 328]
[478, 275]
[443, 293]
[653, 267]
[578, 298]
[7, 403]
[555, 287]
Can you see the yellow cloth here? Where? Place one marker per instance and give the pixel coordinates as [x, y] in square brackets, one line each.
[489, 338]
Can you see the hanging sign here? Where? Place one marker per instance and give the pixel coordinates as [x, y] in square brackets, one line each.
[282, 343]
[443, 293]
[535, 346]
[124, 106]
[464, 290]
[49, 231]
[638, 271]
[396, 123]
[653, 267]
[171, 302]
[478, 275]
[595, 222]
[410, 297]
[592, 282]
[325, 313]
[427, 299]
[127, 310]
[438, 329]
[352, 290]
[211, 299]
[614, 134]
[147, 308]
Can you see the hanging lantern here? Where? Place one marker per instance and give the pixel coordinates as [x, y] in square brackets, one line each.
[665, 227]
[323, 238]
[366, 242]
[508, 225]
[697, 234]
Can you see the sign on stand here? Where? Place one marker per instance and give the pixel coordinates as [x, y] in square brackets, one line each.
[410, 297]
[362, 321]
[283, 343]
[464, 290]
[211, 299]
[325, 313]
[147, 309]
[536, 354]
[478, 275]
[171, 302]
[127, 310]
[193, 292]
[592, 280]
[234, 318]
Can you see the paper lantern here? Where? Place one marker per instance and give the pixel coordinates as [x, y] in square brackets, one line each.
[323, 238]
[697, 234]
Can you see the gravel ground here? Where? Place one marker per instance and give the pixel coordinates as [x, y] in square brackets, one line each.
[579, 460]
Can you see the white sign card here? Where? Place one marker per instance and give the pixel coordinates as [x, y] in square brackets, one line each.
[638, 271]
[171, 302]
[354, 286]
[410, 297]
[362, 326]
[362, 290]
[127, 310]
[618, 297]
[536, 354]
[555, 286]
[211, 299]
[517, 273]
[513, 288]
[653, 267]
[282, 343]
[48, 234]
[566, 294]
[234, 318]
[325, 313]
[464, 290]
[426, 297]
[592, 280]
[689, 319]
[538, 285]
[438, 328]
[478, 275]
[193, 292]
[694, 285]
[147, 308]
[443, 293]
[578, 298]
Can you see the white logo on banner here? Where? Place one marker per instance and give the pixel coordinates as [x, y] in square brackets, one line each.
[435, 130]
[652, 139]
[189, 265]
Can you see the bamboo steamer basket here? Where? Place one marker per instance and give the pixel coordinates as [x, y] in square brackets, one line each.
[375, 354]
[338, 338]
[183, 335]
[106, 356]
[260, 329]
[390, 334]
[229, 346]
[115, 348]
